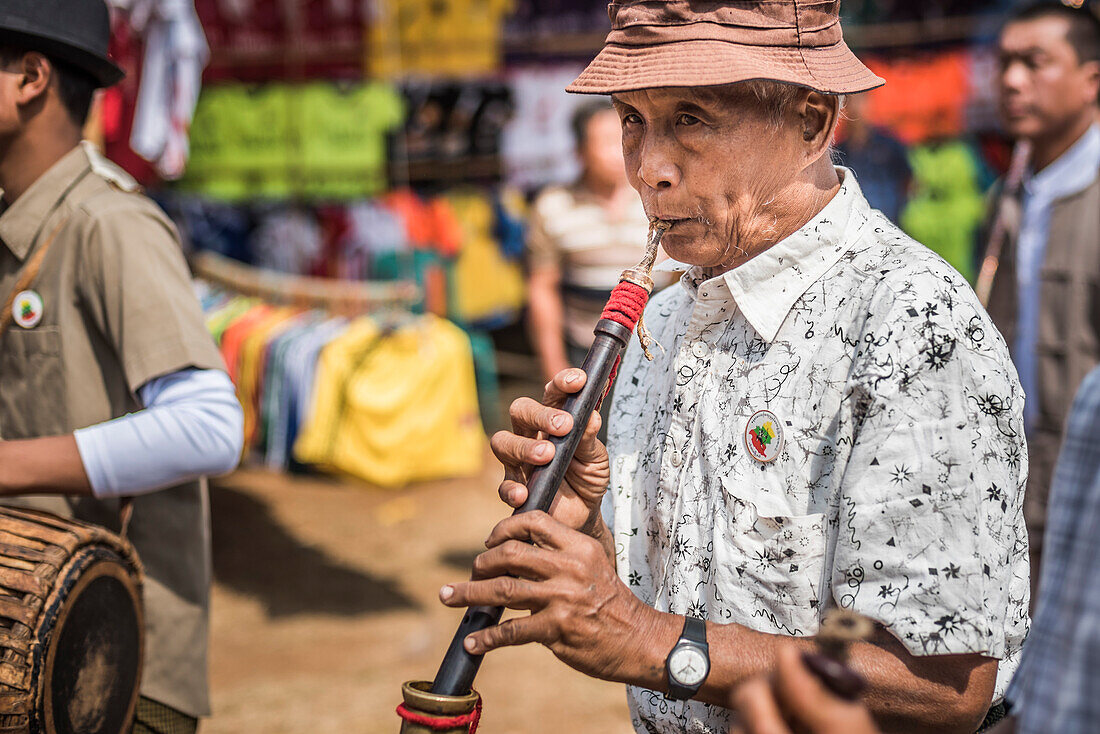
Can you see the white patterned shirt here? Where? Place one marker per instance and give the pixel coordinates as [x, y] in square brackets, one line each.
[898, 482]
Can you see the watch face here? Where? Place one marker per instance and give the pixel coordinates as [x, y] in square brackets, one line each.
[689, 666]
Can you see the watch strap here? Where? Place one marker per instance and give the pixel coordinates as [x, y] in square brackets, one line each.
[695, 635]
[695, 630]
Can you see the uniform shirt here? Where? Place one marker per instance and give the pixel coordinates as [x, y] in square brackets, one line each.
[118, 311]
[1057, 687]
[571, 230]
[897, 486]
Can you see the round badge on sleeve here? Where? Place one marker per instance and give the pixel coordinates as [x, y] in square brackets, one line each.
[764, 436]
[26, 309]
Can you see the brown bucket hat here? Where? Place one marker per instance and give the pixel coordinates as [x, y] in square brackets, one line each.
[696, 43]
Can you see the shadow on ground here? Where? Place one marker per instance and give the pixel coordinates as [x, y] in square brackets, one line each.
[257, 556]
[460, 558]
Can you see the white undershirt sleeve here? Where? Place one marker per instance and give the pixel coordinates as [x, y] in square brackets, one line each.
[192, 426]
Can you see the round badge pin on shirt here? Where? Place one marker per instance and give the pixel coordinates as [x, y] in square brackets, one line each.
[764, 436]
[26, 309]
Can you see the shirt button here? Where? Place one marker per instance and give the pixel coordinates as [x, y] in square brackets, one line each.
[699, 349]
[677, 458]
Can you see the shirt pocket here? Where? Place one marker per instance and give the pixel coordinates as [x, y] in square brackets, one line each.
[1091, 336]
[1055, 301]
[771, 567]
[32, 387]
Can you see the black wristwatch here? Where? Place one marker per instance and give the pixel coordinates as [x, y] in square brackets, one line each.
[688, 664]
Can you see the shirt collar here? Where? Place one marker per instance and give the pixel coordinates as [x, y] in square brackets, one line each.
[766, 287]
[1072, 172]
[21, 222]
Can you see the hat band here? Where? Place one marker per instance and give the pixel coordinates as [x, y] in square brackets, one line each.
[648, 35]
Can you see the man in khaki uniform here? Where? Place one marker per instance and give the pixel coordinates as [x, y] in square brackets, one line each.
[98, 322]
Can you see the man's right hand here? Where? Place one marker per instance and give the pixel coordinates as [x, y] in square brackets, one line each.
[578, 501]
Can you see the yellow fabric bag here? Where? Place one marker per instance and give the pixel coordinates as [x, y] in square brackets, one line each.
[398, 407]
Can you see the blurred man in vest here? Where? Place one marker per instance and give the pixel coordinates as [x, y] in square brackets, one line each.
[1045, 291]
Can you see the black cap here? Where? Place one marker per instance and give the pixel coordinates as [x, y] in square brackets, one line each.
[75, 31]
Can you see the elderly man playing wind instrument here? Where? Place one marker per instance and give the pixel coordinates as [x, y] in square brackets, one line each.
[831, 419]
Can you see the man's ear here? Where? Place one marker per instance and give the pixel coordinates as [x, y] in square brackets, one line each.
[37, 73]
[1091, 70]
[818, 118]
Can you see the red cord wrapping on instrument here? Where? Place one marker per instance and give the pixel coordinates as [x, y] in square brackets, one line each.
[625, 307]
[442, 723]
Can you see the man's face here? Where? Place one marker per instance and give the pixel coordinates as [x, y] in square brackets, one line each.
[10, 81]
[710, 163]
[1044, 88]
[602, 152]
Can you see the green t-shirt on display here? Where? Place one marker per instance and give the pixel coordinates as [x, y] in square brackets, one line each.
[343, 137]
[243, 140]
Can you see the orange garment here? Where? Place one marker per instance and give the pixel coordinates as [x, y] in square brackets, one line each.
[429, 225]
[925, 96]
[449, 233]
[235, 333]
[251, 361]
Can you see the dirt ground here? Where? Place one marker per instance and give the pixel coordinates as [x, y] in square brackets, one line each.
[325, 602]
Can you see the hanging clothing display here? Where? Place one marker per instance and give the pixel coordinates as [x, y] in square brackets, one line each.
[287, 240]
[430, 224]
[486, 287]
[176, 53]
[342, 136]
[451, 120]
[288, 383]
[559, 17]
[393, 407]
[881, 164]
[171, 76]
[388, 401]
[211, 225]
[323, 140]
[243, 142]
[926, 98]
[256, 30]
[454, 38]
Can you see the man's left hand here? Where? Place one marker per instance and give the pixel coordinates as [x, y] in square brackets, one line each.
[580, 608]
[792, 699]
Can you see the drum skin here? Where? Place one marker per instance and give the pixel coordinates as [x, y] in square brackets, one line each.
[71, 626]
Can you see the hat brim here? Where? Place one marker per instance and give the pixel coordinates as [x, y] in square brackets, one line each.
[102, 69]
[704, 63]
